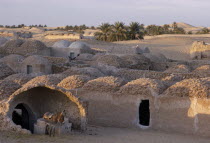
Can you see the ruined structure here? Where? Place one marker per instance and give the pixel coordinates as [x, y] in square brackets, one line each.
[61, 44]
[20, 34]
[25, 48]
[24, 35]
[6, 33]
[126, 50]
[133, 91]
[67, 49]
[36, 64]
[200, 50]
[77, 48]
[13, 61]
[3, 41]
[64, 36]
[37, 97]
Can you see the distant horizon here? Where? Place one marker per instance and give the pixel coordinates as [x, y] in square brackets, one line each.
[55, 13]
[102, 23]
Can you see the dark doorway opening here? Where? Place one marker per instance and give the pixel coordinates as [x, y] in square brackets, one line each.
[29, 69]
[72, 55]
[23, 116]
[144, 113]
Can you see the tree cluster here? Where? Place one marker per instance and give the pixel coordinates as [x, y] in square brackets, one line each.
[153, 30]
[78, 29]
[14, 26]
[37, 25]
[119, 31]
[21, 26]
[204, 31]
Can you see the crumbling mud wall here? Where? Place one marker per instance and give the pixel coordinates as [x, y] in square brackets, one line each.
[6, 34]
[109, 111]
[182, 107]
[200, 50]
[25, 48]
[37, 63]
[57, 60]
[61, 52]
[64, 36]
[183, 115]
[24, 35]
[172, 115]
[119, 107]
[42, 99]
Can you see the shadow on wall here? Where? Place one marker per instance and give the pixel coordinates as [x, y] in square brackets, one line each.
[181, 112]
[24, 116]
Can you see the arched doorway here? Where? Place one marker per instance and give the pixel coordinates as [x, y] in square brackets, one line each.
[23, 116]
[39, 100]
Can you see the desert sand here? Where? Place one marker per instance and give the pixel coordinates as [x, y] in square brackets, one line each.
[106, 135]
[173, 47]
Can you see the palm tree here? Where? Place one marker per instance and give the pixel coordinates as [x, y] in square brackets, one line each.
[104, 33]
[136, 31]
[177, 30]
[166, 29]
[174, 26]
[154, 30]
[119, 32]
[205, 31]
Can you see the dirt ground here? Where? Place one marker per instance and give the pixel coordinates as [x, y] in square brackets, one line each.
[106, 135]
[176, 48]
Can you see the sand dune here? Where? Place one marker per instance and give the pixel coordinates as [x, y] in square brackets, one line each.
[183, 25]
[188, 27]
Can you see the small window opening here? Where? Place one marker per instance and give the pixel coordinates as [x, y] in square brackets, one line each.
[29, 69]
[72, 55]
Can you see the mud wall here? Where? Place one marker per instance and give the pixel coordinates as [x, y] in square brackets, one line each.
[170, 114]
[57, 60]
[37, 68]
[61, 52]
[64, 36]
[41, 100]
[105, 109]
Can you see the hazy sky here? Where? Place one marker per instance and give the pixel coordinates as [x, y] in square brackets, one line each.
[95, 12]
